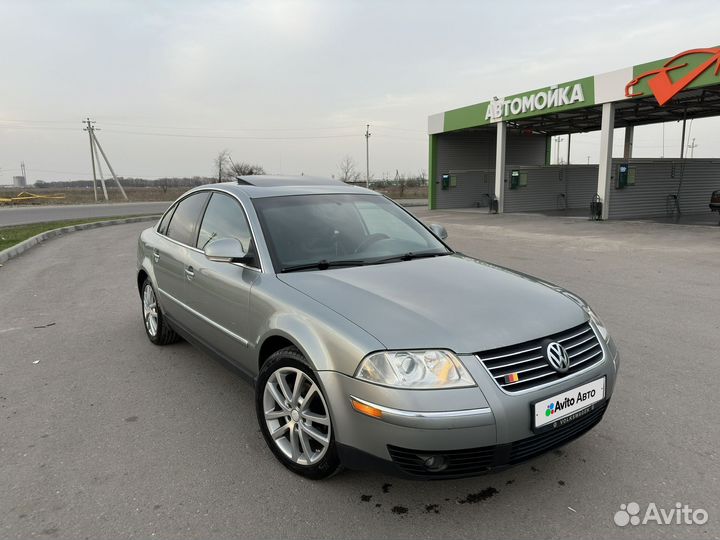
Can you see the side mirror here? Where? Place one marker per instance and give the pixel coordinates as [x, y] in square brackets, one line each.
[225, 250]
[438, 230]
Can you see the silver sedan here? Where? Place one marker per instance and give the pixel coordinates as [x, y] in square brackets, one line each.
[370, 342]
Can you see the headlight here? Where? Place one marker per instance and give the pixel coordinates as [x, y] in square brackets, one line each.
[600, 325]
[415, 369]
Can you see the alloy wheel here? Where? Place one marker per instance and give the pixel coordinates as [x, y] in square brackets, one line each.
[296, 416]
[150, 310]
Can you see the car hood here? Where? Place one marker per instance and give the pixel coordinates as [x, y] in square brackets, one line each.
[452, 302]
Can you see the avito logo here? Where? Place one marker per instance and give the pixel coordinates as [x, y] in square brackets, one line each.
[682, 514]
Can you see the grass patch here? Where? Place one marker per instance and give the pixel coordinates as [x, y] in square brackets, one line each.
[9, 236]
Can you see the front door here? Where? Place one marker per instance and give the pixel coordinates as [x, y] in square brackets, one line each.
[219, 292]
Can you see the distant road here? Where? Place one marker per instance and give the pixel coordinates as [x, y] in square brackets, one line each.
[21, 215]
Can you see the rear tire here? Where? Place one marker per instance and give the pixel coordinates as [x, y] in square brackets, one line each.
[294, 417]
[157, 329]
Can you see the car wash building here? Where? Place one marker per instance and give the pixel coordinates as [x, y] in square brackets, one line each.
[496, 154]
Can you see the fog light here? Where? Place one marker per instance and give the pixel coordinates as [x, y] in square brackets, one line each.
[434, 463]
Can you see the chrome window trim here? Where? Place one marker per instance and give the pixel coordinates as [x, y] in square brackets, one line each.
[253, 235]
[204, 318]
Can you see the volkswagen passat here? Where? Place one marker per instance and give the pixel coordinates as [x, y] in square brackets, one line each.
[370, 342]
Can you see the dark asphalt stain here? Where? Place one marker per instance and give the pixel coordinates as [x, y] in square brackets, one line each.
[157, 507]
[480, 496]
[561, 482]
[509, 482]
[21, 516]
[534, 469]
[432, 508]
[386, 488]
[45, 326]
[52, 531]
[378, 505]
[131, 419]
[44, 436]
[365, 498]
[399, 510]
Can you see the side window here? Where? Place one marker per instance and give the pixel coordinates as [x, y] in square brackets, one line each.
[162, 228]
[224, 218]
[184, 220]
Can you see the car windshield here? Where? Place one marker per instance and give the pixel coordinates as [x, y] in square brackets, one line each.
[329, 230]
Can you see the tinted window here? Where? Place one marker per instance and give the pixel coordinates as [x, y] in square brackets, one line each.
[184, 220]
[162, 228]
[224, 218]
[303, 229]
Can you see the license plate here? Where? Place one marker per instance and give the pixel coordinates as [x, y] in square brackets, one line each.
[560, 406]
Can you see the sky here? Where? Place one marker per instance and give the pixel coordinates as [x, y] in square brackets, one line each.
[291, 85]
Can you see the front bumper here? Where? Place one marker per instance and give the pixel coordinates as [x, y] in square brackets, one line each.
[474, 430]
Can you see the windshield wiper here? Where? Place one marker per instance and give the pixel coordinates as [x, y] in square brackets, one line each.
[409, 256]
[322, 265]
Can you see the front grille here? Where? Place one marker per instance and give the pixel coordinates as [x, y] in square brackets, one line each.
[528, 362]
[538, 444]
[474, 461]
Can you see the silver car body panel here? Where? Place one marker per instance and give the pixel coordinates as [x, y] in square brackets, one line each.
[336, 317]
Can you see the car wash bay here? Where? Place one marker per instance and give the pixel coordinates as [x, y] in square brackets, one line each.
[496, 154]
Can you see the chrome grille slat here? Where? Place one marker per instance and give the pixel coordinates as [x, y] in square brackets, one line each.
[572, 337]
[533, 359]
[511, 354]
[569, 347]
[581, 343]
[544, 365]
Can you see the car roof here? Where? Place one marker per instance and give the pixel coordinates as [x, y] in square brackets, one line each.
[259, 186]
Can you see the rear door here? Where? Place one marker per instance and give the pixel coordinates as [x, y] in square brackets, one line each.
[171, 257]
[219, 292]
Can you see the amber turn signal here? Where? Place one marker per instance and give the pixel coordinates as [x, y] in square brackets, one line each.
[366, 409]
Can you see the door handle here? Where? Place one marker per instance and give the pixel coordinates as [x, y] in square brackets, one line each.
[156, 255]
[189, 272]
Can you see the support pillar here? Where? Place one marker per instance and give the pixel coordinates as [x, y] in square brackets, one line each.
[605, 162]
[567, 162]
[500, 165]
[628, 148]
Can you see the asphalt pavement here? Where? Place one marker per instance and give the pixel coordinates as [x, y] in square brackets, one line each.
[104, 435]
[21, 215]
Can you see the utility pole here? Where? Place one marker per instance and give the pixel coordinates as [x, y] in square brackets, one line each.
[367, 156]
[107, 161]
[89, 129]
[588, 160]
[692, 147]
[96, 149]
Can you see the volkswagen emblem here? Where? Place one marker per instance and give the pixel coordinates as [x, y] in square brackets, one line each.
[557, 357]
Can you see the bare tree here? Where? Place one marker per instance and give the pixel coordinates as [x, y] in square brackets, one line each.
[222, 164]
[348, 170]
[244, 169]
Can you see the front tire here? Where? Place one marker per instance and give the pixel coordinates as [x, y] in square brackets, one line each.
[294, 417]
[156, 327]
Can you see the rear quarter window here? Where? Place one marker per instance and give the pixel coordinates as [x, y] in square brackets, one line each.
[184, 221]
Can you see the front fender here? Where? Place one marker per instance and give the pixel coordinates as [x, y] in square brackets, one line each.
[329, 341]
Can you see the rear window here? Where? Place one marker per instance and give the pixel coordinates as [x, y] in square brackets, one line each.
[183, 224]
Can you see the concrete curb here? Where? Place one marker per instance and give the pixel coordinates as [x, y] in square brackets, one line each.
[23, 246]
